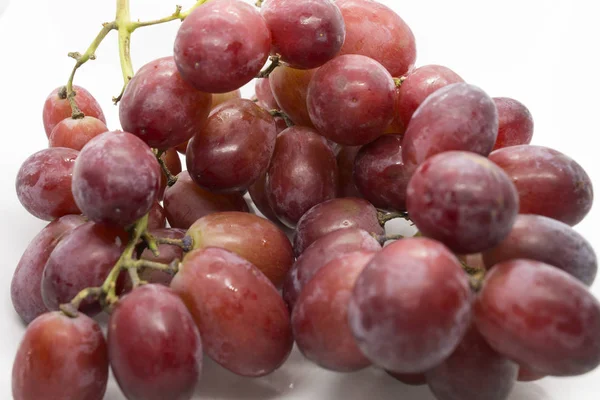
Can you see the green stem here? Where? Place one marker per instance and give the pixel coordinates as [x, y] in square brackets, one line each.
[183, 15]
[171, 179]
[385, 216]
[186, 243]
[267, 71]
[71, 308]
[476, 275]
[398, 81]
[259, 3]
[123, 21]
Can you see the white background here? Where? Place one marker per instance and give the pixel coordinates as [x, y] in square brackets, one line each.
[544, 53]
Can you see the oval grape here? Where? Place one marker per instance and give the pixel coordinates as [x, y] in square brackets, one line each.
[58, 108]
[75, 133]
[515, 123]
[290, 87]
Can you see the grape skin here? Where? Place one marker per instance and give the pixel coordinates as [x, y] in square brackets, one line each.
[540, 316]
[154, 345]
[116, 179]
[409, 379]
[351, 100]
[515, 123]
[549, 182]
[25, 288]
[61, 358]
[463, 200]
[185, 202]
[540, 238]
[157, 217]
[474, 371]
[44, 182]
[320, 316]
[376, 31]
[264, 94]
[57, 109]
[411, 306]
[234, 147]
[345, 162]
[167, 254]
[306, 34]
[243, 322]
[258, 194]
[302, 173]
[334, 214]
[75, 133]
[222, 45]
[82, 259]
[459, 116]
[290, 87]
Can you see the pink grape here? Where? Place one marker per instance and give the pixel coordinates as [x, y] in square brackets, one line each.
[75, 133]
[411, 306]
[290, 87]
[44, 181]
[515, 123]
[222, 45]
[258, 194]
[156, 217]
[264, 94]
[345, 162]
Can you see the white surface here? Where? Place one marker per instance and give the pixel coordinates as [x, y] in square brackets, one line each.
[541, 52]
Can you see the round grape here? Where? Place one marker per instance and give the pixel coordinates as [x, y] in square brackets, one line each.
[57, 107]
[515, 123]
[290, 87]
[75, 133]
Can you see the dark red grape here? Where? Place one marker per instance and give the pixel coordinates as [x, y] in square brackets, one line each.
[331, 215]
[323, 250]
[185, 202]
[409, 379]
[157, 217]
[222, 45]
[258, 194]
[306, 34]
[43, 183]
[61, 358]
[264, 94]
[411, 306]
[549, 182]
[160, 107]
[473, 372]
[320, 316]
[251, 237]
[57, 107]
[351, 100]
[82, 259]
[540, 316]
[75, 133]
[345, 162]
[552, 242]
[290, 87]
[515, 123]
[154, 346]
[303, 173]
[234, 147]
[376, 31]
[463, 200]
[25, 288]
[456, 117]
[380, 174]
[528, 375]
[418, 85]
[243, 322]
[116, 178]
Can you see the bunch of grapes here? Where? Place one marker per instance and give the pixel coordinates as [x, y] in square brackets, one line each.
[343, 135]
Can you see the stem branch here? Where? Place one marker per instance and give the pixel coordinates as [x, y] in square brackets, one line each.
[281, 114]
[267, 71]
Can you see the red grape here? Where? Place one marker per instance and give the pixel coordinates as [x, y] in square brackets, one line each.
[57, 107]
[411, 306]
[116, 178]
[82, 259]
[474, 371]
[515, 123]
[528, 375]
[549, 182]
[463, 200]
[75, 133]
[409, 379]
[25, 288]
[351, 100]
[234, 147]
[264, 94]
[255, 239]
[345, 162]
[160, 107]
[258, 194]
[540, 316]
[157, 217]
[418, 85]
[456, 117]
[43, 183]
[185, 202]
[290, 87]
[154, 346]
[303, 173]
[61, 358]
[331, 215]
[552, 242]
[222, 45]
[243, 321]
[380, 174]
[320, 316]
[321, 252]
[306, 34]
[376, 31]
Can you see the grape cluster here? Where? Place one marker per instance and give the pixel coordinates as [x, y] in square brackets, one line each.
[343, 135]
